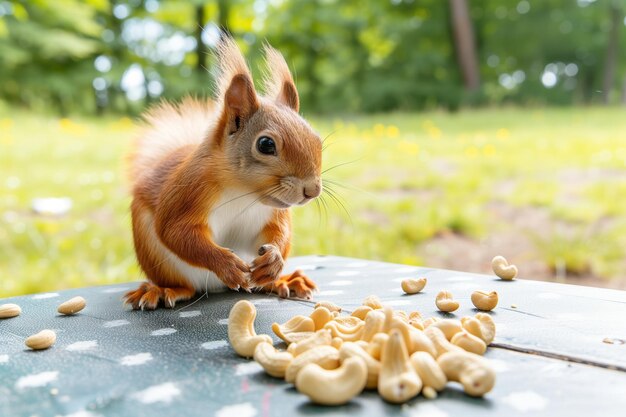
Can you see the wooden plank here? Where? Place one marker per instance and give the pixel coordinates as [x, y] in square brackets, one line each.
[111, 361]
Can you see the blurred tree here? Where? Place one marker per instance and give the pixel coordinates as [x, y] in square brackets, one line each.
[47, 49]
[349, 55]
[616, 17]
[464, 43]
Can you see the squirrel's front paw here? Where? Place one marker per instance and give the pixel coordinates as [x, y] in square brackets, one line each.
[267, 266]
[233, 271]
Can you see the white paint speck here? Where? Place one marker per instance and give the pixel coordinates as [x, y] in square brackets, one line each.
[163, 393]
[397, 302]
[548, 296]
[499, 365]
[458, 278]
[115, 323]
[37, 380]
[237, 410]
[400, 279]
[357, 265]
[329, 292]
[306, 267]
[340, 283]
[115, 290]
[223, 322]
[45, 295]
[347, 273]
[214, 344]
[192, 313]
[247, 368]
[138, 359]
[526, 401]
[83, 413]
[427, 410]
[405, 270]
[82, 345]
[163, 332]
[262, 301]
[462, 286]
[4, 358]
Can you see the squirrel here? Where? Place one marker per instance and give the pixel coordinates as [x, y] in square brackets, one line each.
[213, 182]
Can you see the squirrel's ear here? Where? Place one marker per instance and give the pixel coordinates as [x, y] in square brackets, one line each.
[235, 88]
[240, 101]
[278, 82]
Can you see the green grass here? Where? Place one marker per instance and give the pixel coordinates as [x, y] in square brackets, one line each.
[413, 177]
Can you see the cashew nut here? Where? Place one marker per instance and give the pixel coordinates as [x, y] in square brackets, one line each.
[402, 315]
[361, 312]
[445, 302]
[321, 316]
[449, 327]
[472, 371]
[329, 306]
[374, 323]
[241, 332]
[415, 320]
[438, 339]
[485, 301]
[42, 340]
[429, 321]
[414, 339]
[333, 387]
[319, 338]
[428, 370]
[350, 349]
[398, 382]
[376, 345]
[413, 286]
[346, 333]
[481, 325]
[8, 311]
[362, 343]
[325, 356]
[348, 321]
[501, 268]
[469, 342]
[429, 392]
[273, 361]
[336, 342]
[373, 302]
[295, 329]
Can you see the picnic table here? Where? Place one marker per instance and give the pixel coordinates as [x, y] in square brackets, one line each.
[559, 350]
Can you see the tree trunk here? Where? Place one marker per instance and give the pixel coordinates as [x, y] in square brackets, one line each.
[464, 44]
[201, 49]
[612, 51]
[624, 91]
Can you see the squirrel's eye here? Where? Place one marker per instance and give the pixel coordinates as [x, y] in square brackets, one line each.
[266, 145]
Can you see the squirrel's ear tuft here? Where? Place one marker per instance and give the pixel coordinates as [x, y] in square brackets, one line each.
[235, 88]
[278, 83]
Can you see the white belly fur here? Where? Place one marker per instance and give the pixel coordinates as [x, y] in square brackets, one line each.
[235, 223]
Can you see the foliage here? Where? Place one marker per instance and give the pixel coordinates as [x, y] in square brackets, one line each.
[349, 55]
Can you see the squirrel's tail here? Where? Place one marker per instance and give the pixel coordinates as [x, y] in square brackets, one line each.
[168, 127]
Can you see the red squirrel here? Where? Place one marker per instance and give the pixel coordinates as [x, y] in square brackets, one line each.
[213, 181]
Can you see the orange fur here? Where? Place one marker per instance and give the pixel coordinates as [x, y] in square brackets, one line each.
[191, 156]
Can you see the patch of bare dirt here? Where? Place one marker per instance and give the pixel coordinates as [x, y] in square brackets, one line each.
[511, 230]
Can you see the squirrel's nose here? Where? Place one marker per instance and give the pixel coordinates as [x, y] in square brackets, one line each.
[312, 190]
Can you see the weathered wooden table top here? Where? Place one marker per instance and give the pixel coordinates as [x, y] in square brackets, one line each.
[551, 352]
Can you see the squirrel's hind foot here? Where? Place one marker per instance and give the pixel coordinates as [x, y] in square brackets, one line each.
[295, 285]
[148, 296]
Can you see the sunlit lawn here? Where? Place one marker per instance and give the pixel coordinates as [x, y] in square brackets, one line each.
[412, 178]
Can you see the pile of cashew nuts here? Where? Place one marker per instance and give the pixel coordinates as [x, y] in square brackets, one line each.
[332, 357]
